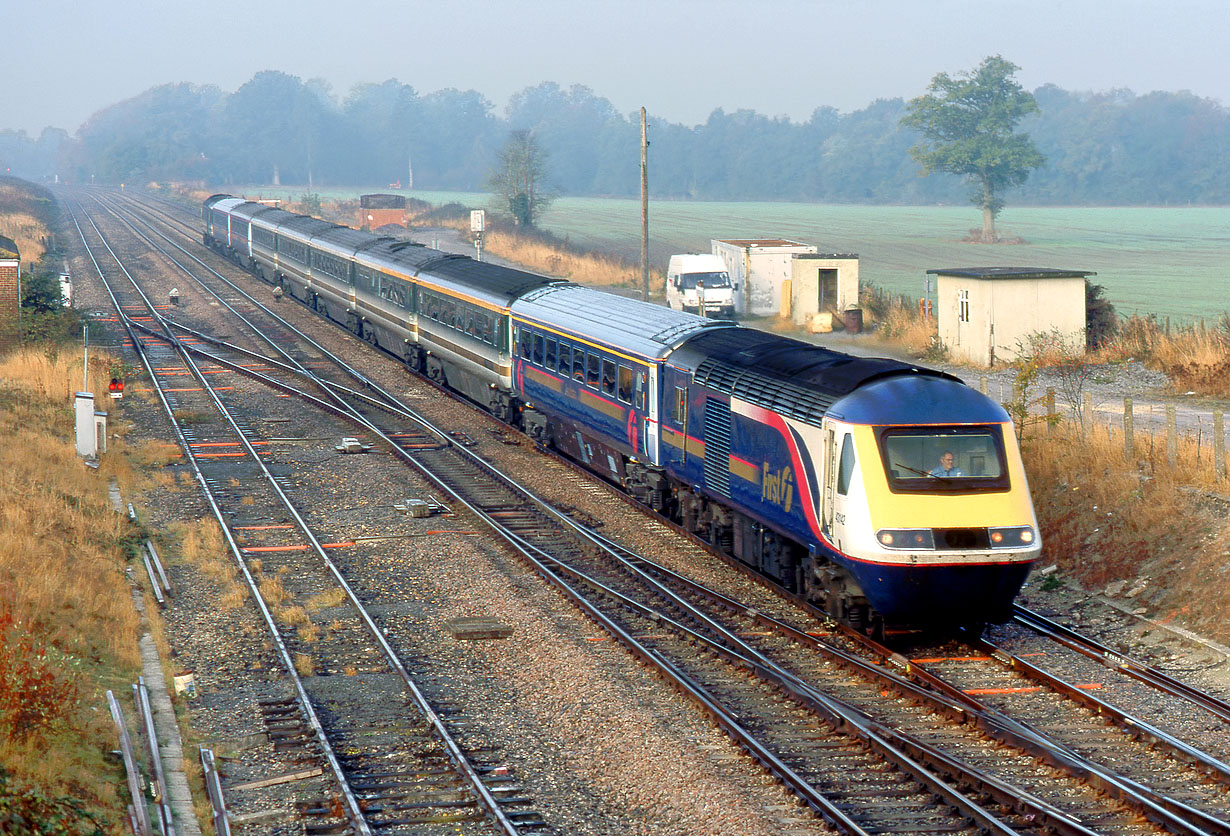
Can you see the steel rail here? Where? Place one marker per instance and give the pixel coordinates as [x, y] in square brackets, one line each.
[492, 808]
[354, 811]
[1120, 662]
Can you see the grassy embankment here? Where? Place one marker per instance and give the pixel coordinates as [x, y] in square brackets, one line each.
[68, 628]
[68, 624]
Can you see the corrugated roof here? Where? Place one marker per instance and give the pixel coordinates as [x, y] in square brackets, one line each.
[8, 249]
[1011, 273]
[623, 323]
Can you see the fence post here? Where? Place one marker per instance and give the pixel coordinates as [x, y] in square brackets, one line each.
[1086, 410]
[1050, 409]
[1129, 446]
[1219, 443]
[982, 384]
[1172, 437]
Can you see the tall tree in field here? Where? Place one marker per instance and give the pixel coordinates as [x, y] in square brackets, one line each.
[519, 178]
[969, 123]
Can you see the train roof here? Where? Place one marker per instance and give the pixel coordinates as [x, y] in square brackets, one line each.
[344, 241]
[224, 202]
[507, 282]
[303, 227]
[250, 209]
[917, 399]
[786, 375]
[637, 327]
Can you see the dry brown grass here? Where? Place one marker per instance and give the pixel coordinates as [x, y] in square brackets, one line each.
[537, 255]
[304, 664]
[1196, 358]
[202, 545]
[292, 616]
[272, 591]
[591, 269]
[1106, 518]
[20, 221]
[26, 231]
[62, 571]
[324, 600]
[903, 326]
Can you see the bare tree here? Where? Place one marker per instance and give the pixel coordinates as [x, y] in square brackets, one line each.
[519, 179]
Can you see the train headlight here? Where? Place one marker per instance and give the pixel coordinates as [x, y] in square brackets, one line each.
[906, 538]
[1011, 538]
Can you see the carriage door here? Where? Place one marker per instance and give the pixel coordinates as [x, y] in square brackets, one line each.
[830, 481]
[651, 424]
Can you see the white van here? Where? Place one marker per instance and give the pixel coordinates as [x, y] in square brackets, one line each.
[700, 284]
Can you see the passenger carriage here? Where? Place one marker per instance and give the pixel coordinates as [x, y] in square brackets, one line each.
[588, 366]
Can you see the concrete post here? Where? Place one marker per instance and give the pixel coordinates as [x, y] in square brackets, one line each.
[1172, 437]
[1219, 443]
[1129, 445]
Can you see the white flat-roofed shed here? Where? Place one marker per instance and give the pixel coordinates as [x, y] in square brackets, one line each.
[987, 314]
[822, 282]
[759, 267]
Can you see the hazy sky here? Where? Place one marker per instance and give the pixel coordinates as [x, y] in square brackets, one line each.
[65, 59]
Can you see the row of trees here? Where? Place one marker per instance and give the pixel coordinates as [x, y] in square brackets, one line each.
[1105, 148]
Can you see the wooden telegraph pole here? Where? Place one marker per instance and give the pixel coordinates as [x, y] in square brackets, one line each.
[644, 208]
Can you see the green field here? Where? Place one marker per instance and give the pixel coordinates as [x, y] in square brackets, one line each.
[1172, 262]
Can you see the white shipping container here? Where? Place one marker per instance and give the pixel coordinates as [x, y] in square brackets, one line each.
[759, 266]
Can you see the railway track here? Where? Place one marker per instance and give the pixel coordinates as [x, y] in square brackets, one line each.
[390, 763]
[841, 746]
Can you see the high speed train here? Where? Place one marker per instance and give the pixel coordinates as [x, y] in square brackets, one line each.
[888, 494]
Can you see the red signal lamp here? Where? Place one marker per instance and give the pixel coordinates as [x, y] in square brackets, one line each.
[116, 388]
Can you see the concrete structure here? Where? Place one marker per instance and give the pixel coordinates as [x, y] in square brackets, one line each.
[377, 210]
[10, 295]
[759, 268]
[822, 282]
[987, 314]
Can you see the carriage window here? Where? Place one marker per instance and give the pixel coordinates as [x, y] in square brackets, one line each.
[537, 359]
[608, 377]
[550, 359]
[578, 363]
[525, 343]
[944, 459]
[593, 371]
[565, 359]
[845, 470]
[626, 379]
[680, 413]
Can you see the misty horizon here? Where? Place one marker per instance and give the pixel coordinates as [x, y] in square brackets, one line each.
[681, 60]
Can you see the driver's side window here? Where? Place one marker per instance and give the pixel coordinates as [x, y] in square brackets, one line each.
[845, 469]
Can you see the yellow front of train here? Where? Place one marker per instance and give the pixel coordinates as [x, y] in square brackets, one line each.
[927, 504]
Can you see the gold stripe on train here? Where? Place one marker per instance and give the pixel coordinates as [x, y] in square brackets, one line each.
[744, 470]
[551, 382]
[602, 405]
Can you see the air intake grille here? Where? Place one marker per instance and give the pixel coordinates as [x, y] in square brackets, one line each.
[781, 396]
[717, 447]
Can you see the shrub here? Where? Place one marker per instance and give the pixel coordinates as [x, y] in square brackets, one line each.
[36, 693]
[30, 811]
